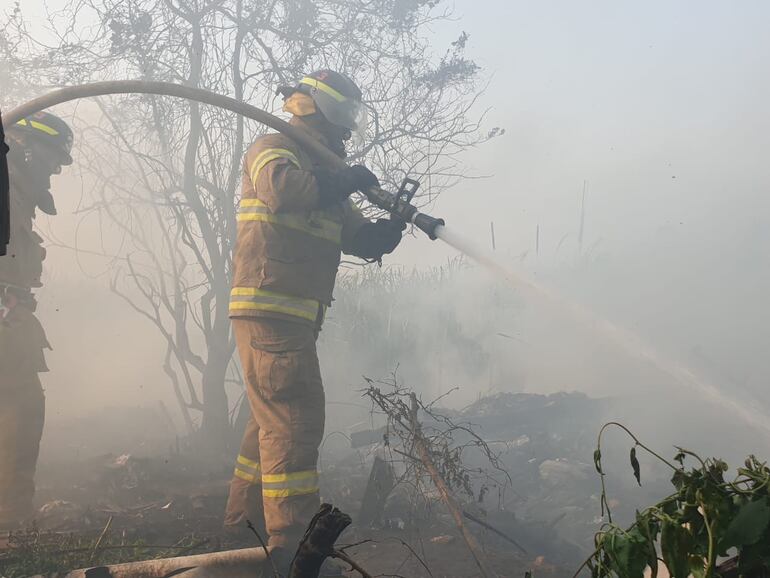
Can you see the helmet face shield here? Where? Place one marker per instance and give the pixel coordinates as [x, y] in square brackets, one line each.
[344, 111]
[361, 120]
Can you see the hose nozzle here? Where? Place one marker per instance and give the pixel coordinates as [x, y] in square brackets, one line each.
[427, 224]
[401, 208]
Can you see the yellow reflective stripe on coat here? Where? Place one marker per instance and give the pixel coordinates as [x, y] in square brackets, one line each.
[262, 300]
[290, 484]
[247, 469]
[322, 86]
[265, 157]
[39, 126]
[312, 224]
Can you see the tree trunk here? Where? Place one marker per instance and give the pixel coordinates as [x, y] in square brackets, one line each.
[215, 422]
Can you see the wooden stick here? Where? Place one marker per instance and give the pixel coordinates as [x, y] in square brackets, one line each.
[491, 528]
[340, 555]
[101, 538]
[446, 494]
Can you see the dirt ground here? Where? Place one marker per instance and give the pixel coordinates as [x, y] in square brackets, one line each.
[172, 505]
[158, 497]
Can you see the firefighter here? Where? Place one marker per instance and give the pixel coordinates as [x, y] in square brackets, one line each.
[39, 146]
[5, 212]
[294, 220]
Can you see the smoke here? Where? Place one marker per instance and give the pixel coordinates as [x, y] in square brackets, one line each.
[696, 297]
[667, 126]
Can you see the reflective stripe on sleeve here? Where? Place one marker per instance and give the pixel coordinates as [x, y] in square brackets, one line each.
[290, 484]
[312, 224]
[262, 300]
[265, 157]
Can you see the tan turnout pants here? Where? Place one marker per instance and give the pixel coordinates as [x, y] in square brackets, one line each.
[22, 413]
[276, 471]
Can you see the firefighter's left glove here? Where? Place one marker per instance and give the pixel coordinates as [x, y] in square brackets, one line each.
[373, 240]
[334, 186]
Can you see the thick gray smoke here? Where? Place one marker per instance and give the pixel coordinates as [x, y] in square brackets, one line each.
[668, 128]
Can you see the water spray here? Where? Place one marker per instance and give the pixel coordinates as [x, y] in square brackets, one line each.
[399, 205]
[631, 344]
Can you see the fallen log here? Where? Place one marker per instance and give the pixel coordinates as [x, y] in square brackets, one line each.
[244, 563]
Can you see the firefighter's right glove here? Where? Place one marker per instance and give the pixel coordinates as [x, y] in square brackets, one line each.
[373, 240]
[334, 186]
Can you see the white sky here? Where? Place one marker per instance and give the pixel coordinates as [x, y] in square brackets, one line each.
[661, 106]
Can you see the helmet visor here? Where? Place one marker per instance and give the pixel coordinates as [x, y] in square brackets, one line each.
[338, 109]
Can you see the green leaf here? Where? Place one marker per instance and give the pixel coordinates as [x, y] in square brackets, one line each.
[635, 466]
[675, 543]
[627, 552]
[598, 461]
[697, 566]
[754, 558]
[748, 525]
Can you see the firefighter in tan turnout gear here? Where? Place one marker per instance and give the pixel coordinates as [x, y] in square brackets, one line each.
[39, 146]
[294, 220]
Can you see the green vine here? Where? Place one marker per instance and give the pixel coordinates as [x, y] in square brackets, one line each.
[706, 517]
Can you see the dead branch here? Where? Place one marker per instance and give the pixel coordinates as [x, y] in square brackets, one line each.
[353, 564]
[101, 539]
[446, 494]
[494, 530]
[264, 547]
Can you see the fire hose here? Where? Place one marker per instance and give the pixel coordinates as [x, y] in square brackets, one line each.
[397, 204]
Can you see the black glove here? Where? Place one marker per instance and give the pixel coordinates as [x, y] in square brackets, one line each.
[373, 240]
[362, 178]
[336, 186]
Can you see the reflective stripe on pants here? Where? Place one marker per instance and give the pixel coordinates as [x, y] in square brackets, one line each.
[244, 501]
[283, 380]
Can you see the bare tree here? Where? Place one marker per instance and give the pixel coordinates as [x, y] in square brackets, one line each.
[168, 172]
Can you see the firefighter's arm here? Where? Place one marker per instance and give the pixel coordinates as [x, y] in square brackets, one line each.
[367, 239]
[336, 185]
[279, 181]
